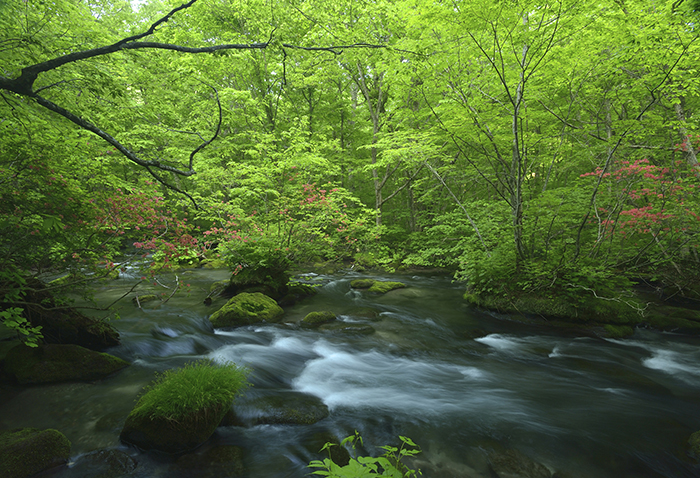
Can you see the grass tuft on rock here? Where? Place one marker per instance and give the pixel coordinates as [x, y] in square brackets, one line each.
[198, 386]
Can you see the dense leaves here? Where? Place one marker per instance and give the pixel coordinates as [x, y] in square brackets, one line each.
[532, 148]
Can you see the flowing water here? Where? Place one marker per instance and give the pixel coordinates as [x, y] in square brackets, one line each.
[458, 381]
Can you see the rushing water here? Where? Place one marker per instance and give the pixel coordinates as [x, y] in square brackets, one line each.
[584, 407]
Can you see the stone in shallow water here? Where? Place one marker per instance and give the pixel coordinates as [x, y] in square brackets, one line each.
[247, 309]
[223, 461]
[27, 451]
[59, 363]
[287, 408]
[104, 464]
[515, 464]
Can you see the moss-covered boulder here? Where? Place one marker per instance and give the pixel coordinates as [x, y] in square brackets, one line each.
[618, 331]
[271, 281]
[362, 283]
[246, 309]
[183, 407]
[314, 319]
[382, 287]
[27, 451]
[376, 286]
[59, 363]
[694, 445]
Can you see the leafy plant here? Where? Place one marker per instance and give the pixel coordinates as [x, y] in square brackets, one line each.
[387, 464]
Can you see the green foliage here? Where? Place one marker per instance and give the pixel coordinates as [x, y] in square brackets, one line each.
[387, 464]
[12, 318]
[198, 386]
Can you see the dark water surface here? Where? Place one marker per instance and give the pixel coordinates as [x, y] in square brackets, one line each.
[584, 407]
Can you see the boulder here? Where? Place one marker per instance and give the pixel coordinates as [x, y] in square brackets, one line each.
[246, 309]
[362, 283]
[290, 408]
[314, 319]
[27, 451]
[170, 436]
[376, 286]
[271, 281]
[59, 363]
[296, 292]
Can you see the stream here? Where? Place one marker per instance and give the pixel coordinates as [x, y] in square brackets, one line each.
[456, 380]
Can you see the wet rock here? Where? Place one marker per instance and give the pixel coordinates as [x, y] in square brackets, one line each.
[290, 408]
[27, 451]
[271, 281]
[364, 313]
[348, 328]
[59, 363]
[694, 445]
[224, 461]
[297, 292]
[376, 286]
[314, 319]
[515, 464]
[246, 309]
[162, 434]
[104, 464]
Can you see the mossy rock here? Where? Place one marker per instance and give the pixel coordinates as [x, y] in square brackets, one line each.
[172, 436]
[382, 287]
[618, 331]
[218, 287]
[223, 461]
[314, 319]
[246, 309]
[59, 363]
[362, 283]
[296, 292]
[142, 299]
[348, 328]
[27, 451]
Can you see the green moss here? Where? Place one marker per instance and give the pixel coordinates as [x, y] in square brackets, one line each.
[317, 318]
[618, 331]
[362, 283]
[59, 363]
[27, 451]
[213, 264]
[245, 309]
[382, 287]
[183, 407]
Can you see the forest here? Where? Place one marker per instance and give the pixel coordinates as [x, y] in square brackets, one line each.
[546, 153]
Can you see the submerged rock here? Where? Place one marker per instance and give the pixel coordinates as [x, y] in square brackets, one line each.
[27, 451]
[291, 408]
[104, 464]
[246, 309]
[348, 328]
[515, 464]
[59, 363]
[362, 283]
[314, 319]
